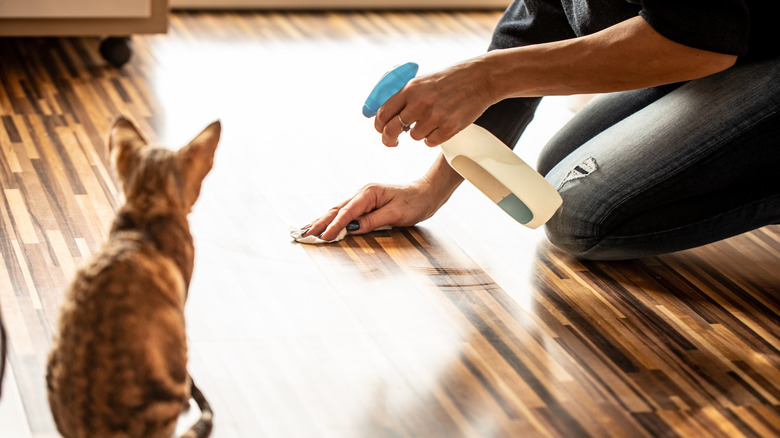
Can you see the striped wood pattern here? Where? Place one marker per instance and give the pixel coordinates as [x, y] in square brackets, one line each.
[467, 325]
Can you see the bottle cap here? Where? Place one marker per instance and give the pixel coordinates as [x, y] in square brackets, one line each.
[388, 85]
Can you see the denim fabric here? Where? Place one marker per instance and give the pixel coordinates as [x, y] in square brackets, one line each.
[676, 166]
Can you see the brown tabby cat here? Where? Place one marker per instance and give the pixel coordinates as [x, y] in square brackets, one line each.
[118, 367]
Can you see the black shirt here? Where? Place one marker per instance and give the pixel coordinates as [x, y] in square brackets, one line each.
[734, 27]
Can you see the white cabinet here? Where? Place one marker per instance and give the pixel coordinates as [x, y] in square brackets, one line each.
[75, 9]
[82, 17]
[115, 19]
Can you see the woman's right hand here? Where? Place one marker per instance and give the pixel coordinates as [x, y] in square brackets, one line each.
[377, 205]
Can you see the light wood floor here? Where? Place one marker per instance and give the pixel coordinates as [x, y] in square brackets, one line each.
[465, 326]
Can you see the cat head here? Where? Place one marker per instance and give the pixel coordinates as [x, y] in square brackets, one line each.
[155, 179]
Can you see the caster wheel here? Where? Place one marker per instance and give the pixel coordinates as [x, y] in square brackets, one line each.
[116, 50]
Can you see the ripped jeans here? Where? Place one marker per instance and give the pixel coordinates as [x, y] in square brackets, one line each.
[664, 169]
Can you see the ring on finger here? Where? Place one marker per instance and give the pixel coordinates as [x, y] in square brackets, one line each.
[404, 126]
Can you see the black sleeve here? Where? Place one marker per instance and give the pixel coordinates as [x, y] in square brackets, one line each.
[528, 22]
[524, 22]
[721, 26]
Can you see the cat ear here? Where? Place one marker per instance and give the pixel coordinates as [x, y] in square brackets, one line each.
[123, 139]
[196, 160]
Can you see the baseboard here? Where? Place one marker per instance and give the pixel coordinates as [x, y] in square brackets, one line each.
[339, 4]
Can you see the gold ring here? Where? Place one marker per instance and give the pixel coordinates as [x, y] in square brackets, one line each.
[404, 126]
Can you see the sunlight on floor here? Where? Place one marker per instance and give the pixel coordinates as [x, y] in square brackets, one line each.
[292, 125]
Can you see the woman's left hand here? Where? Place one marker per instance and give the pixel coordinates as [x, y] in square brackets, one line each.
[438, 105]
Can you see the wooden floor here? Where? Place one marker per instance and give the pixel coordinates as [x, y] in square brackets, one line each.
[465, 326]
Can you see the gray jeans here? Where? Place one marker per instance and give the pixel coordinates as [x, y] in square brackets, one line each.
[664, 169]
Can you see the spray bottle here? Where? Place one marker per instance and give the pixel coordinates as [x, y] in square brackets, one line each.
[483, 160]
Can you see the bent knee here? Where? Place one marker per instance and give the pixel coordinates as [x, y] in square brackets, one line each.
[581, 227]
[581, 232]
[568, 234]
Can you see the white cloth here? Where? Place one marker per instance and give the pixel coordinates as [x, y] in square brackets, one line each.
[297, 235]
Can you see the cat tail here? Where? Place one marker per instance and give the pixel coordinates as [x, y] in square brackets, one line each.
[202, 428]
[3, 352]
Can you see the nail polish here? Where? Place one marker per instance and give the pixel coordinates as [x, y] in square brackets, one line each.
[353, 226]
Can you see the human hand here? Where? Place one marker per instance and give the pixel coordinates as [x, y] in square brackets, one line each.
[438, 105]
[377, 205]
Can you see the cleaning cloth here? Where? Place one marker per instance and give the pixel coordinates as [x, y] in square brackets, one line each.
[297, 235]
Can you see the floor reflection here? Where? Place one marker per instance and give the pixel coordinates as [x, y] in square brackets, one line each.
[606, 354]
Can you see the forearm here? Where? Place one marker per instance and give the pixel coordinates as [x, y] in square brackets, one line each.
[442, 181]
[629, 55]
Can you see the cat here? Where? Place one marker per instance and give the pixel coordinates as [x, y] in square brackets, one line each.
[118, 365]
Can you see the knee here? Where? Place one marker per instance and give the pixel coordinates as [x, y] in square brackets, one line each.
[580, 228]
[571, 233]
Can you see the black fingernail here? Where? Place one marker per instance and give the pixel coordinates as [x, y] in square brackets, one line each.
[305, 231]
[353, 226]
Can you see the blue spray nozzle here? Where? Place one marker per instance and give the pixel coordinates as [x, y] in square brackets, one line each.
[388, 85]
